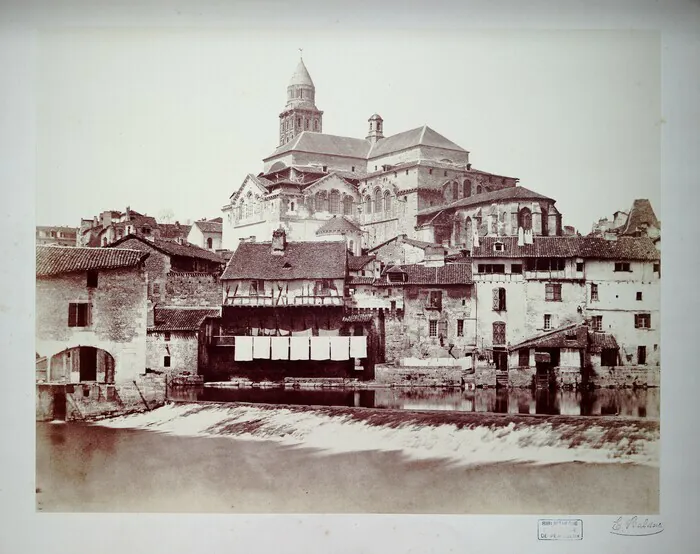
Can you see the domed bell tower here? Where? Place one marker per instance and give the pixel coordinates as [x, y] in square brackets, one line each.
[376, 128]
[300, 114]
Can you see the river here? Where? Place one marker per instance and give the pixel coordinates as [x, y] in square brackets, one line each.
[244, 458]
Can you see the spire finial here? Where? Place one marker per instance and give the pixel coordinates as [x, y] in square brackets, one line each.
[301, 53]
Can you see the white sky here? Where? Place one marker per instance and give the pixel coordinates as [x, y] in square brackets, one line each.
[162, 119]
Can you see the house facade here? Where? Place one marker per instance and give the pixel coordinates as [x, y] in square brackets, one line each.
[91, 314]
[112, 225]
[283, 314]
[61, 236]
[206, 234]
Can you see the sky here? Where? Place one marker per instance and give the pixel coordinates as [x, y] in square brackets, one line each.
[170, 121]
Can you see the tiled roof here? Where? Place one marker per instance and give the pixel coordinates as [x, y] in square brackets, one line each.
[411, 242]
[181, 319]
[356, 263]
[358, 318]
[301, 260]
[623, 248]
[556, 338]
[321, 143]
[209, 226]
[641, 214]
[173, 230]
[175, 249]
[597, 341]
[449, 274]
[507, 193]
[54, 260]
[338, 224]
[421, 136]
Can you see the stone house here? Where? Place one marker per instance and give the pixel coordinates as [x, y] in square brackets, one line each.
[172, 344]
[282, 314]
[91, 313]
[432, 311]
[62, 236]
[178, 274]
[206, 234]
[362, 272]
[403, 250]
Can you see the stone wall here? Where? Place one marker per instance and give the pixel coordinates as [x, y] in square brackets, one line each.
[182, 349]
[193, 289]
[157, 268]
[625, 376]
[89, 400]
[118, 317]
[418, 376]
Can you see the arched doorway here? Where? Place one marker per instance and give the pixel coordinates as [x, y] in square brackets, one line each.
[82, 363]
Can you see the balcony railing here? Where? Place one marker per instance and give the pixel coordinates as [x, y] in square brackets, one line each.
[274, 301]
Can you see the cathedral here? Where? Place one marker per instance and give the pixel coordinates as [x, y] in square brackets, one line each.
[366, 191]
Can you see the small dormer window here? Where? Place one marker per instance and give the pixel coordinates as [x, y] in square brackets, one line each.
[499, 247]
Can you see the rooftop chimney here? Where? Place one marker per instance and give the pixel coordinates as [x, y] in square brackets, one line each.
[279, 242]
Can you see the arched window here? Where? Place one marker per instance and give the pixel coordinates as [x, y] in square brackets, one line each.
[347, 205]
[479, 189]
[467, 188]
[210, 243]
[335, 202]
[525, 219]
[291, 206]
[387, 201]
[368, 204]
[321, 201]
[455, 190]
[315, 124]
[446, 193]
[377, 200]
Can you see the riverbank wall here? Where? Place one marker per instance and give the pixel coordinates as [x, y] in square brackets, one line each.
[84, 401]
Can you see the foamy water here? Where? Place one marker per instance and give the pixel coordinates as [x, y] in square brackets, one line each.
[538, 442]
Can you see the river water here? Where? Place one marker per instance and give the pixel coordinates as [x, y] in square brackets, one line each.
[259, 458]
[643, 403]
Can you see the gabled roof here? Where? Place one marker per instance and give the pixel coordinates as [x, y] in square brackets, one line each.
[508, 193]
[411, 242]
[209, 226]
[338, 224]
[173, 230]
[356, 263]
[174, 249]
[623, 248]
[181, 318]
[418, 274]
[321, 143]
[557, 338]
[420, 136]
[597, 341]
[54, 260]
[640, 215]
[301, 260]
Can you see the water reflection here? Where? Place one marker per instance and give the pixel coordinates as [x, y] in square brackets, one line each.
[613, 402]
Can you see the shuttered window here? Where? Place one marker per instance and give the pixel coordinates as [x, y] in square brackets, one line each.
[78, 314]
[499, 332]
[499, 299]
[524, 357]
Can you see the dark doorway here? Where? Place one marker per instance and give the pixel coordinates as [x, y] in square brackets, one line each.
[88, 363]
[59, 405]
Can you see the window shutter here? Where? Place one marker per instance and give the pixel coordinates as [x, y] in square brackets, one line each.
[72, 315]
[502, 298]
[496, 299]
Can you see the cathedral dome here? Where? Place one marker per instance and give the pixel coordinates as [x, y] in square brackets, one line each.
[301, 76]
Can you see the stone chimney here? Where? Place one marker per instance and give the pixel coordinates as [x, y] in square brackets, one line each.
[279, 242]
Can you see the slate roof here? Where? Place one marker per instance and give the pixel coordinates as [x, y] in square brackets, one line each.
[641, 214]
[556, 338]
[209, 226]
[301, 260]
[449, 274]
[54, 260]
[172, 248]
[322, 143]
[356, 263]
[508, 193]
[623, 248]
[420, 136]
[338, 224]
[181, 319]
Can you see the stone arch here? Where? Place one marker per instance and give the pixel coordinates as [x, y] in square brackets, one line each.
[467, 188]
[455, 190]
[387, 201]
[368, 204]
[479, 189]
[377, 200]
[82, 363]
[347, 204]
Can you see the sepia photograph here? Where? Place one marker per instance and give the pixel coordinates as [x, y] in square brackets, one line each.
[348, 271]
